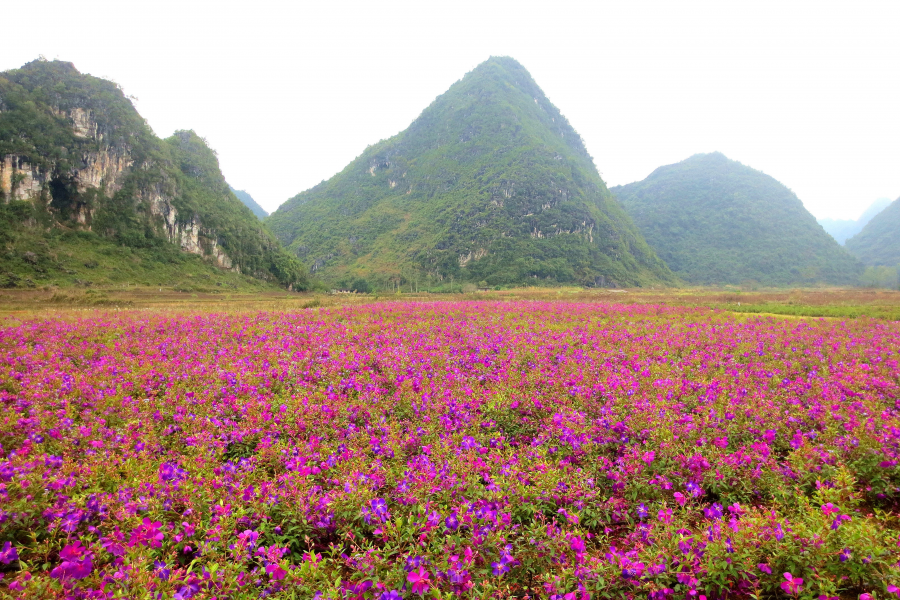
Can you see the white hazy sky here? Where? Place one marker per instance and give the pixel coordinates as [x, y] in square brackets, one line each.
[288, 93]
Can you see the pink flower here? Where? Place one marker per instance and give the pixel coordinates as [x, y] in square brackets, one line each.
[793, 585]
[419, 580]
[275, 571]
[680, 498]
[829, 508]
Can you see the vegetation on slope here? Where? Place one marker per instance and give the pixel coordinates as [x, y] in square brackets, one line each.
[250, 203]
[490, 184]
[716, 221]
[878, 244]
[36, 102]
[32, 257]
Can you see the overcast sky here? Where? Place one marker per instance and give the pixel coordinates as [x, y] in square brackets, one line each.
[807, 92]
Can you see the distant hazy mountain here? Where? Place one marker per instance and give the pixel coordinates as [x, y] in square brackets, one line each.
[250, 203]
[844, 229]
[716, 221]
[490, 183]
[81, 172]
[879, 241]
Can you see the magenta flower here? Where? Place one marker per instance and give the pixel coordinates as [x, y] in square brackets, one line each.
[419, 580]
[829, 508]
[275, 572]
[764, 568]
[792, 585]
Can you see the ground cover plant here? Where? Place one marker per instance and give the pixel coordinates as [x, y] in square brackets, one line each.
[476, 450]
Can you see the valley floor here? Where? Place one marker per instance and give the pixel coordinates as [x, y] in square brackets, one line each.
[810, 302]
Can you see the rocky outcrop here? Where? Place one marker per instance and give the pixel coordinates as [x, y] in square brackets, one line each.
[20, 180]
[188, 234]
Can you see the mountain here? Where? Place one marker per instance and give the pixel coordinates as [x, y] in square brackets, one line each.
[844, 229]
[490, 184]
[716, 221]
[878, 244]
[81, 172]
[250, 203]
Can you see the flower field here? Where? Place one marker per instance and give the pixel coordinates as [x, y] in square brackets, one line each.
[474, 450]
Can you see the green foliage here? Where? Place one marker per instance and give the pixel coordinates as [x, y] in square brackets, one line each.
[880, 277]
[358, 285]
[52, 117]
[891, 313]
[490, 183]
[32, 256]
[716, 221]
[878, 244]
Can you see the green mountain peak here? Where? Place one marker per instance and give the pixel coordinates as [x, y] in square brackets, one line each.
[489, 184]
[716, 221]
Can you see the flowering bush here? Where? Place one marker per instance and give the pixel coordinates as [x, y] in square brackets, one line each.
[481, 450]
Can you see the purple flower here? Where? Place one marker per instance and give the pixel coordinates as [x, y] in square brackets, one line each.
[642, 512]
[470, 443]
[167, 472]
[76, 562]
[434, 518]
[845, 555]
[451, 522]
[391, 595]
[764, 568]
[713, 511]
[162, 571]
[187, 591]
[8, 553]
